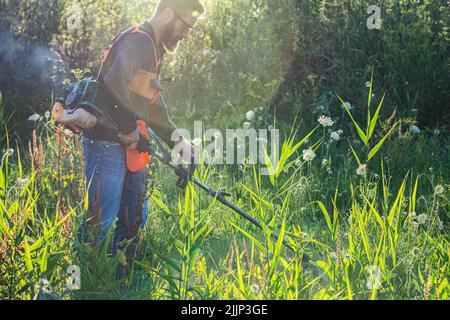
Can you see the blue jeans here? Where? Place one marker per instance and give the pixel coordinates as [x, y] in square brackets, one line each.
[115, 193]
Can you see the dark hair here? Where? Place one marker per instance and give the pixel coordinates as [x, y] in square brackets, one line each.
[181, 6]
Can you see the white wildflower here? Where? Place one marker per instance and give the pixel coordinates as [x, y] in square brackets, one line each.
[255, 289]
[422, 218]
[324, 162]
[325, 121]
[308, 154]
[246, 125]
[10, 152]
[333, 256]
[250, 115]
[47, 115]
[412, 216]
[414, 130]
[298, 163]
[368, 84]
[439, 190]
[319, 108]
[348, 105]
[362, 170]
[335, 136]
[35, 117]
[22, 182]
[436, 132]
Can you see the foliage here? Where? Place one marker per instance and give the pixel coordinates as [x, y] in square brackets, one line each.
[331, 227]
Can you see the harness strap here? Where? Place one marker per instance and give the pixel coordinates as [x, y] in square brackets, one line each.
[119, 38]
[137, 29]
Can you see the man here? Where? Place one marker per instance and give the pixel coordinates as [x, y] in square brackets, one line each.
[130, 87]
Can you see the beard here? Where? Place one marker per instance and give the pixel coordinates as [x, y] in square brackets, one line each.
[168, 40]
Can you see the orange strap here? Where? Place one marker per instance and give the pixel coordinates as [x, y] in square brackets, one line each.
[137, 29]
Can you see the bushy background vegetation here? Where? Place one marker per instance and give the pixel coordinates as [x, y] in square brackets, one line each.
[287, 62]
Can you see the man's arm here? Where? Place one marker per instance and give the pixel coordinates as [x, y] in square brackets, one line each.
[160, 121]
[117, 79]
[132, 73]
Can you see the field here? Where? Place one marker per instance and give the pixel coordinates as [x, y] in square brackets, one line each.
[357, 207]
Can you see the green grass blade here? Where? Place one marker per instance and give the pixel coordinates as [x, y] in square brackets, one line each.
[250, 237]
[361, 133]
[375, 212]
[375, 149]
[27, 255]
[373, 122]
[355, 155]
[277, 251]
[369, 98]
[326, 215]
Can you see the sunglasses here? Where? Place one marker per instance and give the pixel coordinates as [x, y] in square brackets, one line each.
[187, 25]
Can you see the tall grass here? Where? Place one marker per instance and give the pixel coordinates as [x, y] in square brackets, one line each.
[331, 228]
[324, 236]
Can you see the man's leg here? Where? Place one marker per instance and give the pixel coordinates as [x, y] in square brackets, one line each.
[105, 169]
[133, 211]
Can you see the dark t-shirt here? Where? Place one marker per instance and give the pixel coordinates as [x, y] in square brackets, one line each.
[127, 89]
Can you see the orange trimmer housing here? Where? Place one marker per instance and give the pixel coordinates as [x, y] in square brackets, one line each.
[137, 161]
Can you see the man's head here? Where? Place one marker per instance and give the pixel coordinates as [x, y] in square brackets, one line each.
[175, 20]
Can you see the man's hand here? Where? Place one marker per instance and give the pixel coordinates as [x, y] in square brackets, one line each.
[131, 140]
[185, 150]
